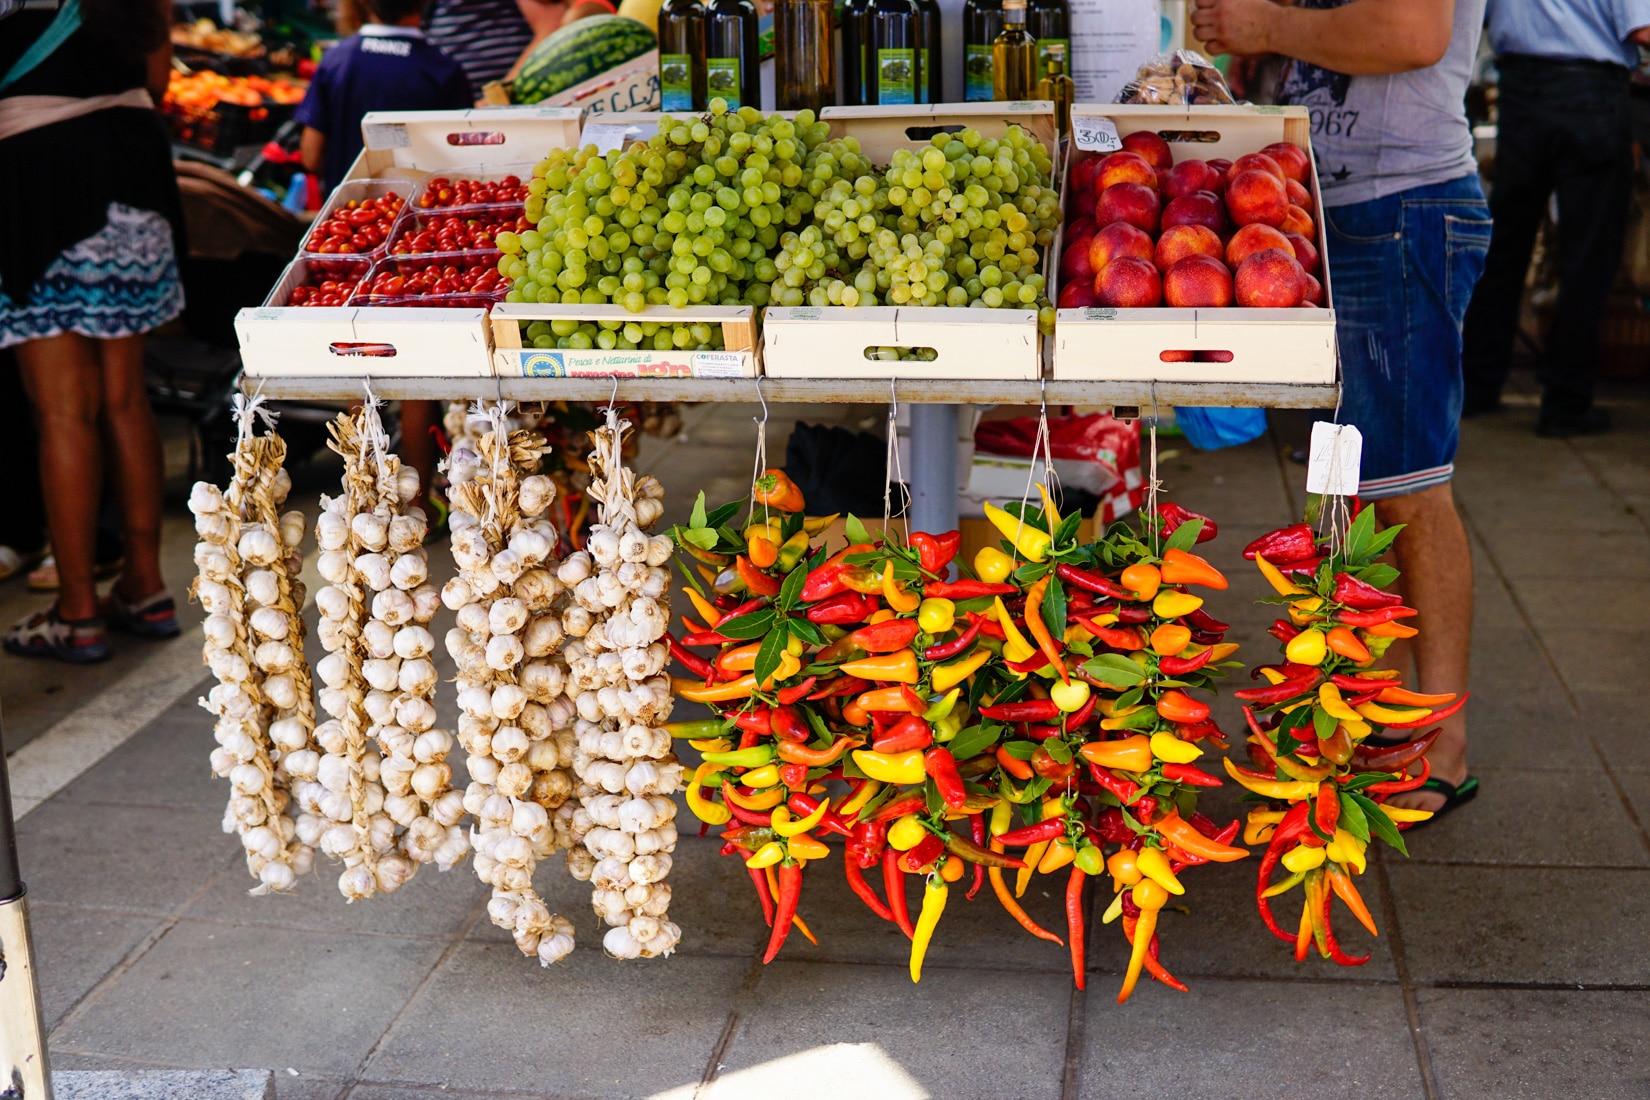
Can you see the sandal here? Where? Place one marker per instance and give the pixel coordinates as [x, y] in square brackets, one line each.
[44, 634]
[1454, 796]
[45, 579]
[154, 616]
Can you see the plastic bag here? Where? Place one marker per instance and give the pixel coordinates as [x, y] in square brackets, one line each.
[1096, 454]
[1212, 429]
[1184, 76]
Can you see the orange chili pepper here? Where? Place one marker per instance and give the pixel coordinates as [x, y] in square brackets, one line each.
[900, 668]
[756, 581]
[707, 610]
[1390, 630]
[890, 700]
[1180, 567]
[1039, 629]
[1183, 835]
[762, 552]
[1403, 697]
[1019, 769]
[1344, 642]
[776, 490]
[1170, 638]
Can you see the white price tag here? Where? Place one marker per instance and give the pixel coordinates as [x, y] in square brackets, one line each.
[1336, 453]
[605, 136]
[385, 135]
[1097, 135]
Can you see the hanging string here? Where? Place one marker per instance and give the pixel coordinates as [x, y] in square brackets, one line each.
[1334, 517]
[761, 450]
[1151, 475]
[1042, 443]
[891, 463]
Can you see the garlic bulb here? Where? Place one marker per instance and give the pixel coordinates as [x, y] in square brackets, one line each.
[517, 793]
[254, 646]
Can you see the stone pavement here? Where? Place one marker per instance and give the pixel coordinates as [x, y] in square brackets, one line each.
[1512, 960]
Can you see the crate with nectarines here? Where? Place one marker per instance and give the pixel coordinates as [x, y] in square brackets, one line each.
[1192, 250]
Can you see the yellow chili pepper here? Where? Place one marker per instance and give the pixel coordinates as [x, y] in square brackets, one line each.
[1282, 790]
[785, 826]
[1059, 854]
[767, 855]
[1260, 825]
[1273, 676]
[1400, 814]
[945, 677]
[1033, 856]
[711, 744]
[1131, 754]
[1154, 864]
[765, 776]
[1346, 848]
[992, 565]
[850, 806]
[1071, 696]
[1032, 542]
[711, 813]
[1049, 512]
[1002, 815]
[707, 610]
[1151, 898]
[1015, 648]
[793, 551]
[898, 599]
[936, 615]
[903, 769]
[1283, 886]
[1330, 697]
[1388, 716]
[1114, 910]
[696, 692]
[818, 525]
[1172, 605]
[906, 833]
[898, 668]
[803, 846]
[1301, 859]
[933, 904]
[756, 803]
[1166, 746]
[1307, 648]
[942, 707]
[1280, 584]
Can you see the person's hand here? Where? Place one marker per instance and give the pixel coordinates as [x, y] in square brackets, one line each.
[1639, 36]
[1233, 26]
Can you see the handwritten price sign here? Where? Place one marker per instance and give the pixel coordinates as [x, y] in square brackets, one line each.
[1096, 135]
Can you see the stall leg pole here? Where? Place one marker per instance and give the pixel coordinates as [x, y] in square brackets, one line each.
[24, 1074]
[933, 473]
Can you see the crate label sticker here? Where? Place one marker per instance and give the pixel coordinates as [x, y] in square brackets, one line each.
[605, 136]
[1337, 453]
[1097, 135]
[896, 77]
[596, 363]
[676, 82]
[722, 80]
[386, 135]
[805, 313]
[1099, 314]
[718, 364]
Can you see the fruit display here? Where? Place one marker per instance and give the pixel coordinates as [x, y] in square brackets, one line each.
[404, 281]
[326, 292]
[439, 192]
[217, 112]
[1143, 230]
[356, 227]
[424, 233]
[203, 34]
[201, 91]
[1329, 733]
[577, 52]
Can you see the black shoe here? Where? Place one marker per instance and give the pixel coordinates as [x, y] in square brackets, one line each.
[1591, 422]
[1476, 404]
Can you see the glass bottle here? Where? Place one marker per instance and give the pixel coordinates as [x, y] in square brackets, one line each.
[682, 56]
[804, 68]
[982, 20]
[1013, 55]
[856, 38]
[1058, 88]
[930, 66]
[891, 73]
[731, 53]
[1049, 22]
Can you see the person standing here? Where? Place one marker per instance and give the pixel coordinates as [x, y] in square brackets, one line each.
[89, 212]
[1564, 127]
[1407, 229]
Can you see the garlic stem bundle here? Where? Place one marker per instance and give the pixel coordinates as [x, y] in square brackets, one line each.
[514, 722]
[248, 564]
[618, 610]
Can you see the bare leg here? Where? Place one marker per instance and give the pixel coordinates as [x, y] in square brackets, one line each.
[1436, 561]
[418, 448]
[62, 378]
[128, 427]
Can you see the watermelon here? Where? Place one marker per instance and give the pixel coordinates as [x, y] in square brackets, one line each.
[578, 52]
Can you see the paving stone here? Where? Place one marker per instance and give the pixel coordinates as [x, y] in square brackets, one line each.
[398, 1092]
[1616, 721]
[809, 1031]
[213, 995]
[1528, 1044]
[1495, 826]
[1595, 657]
[246, 1084]
[589, 1027]
[1242, 1038]
[121, 857]
[1606, 556]
[164, 764]
[1559, 925]
[1557, 603]
[75, 948]
[1511, 725]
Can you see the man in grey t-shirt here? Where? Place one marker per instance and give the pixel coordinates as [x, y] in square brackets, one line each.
[1406, 229]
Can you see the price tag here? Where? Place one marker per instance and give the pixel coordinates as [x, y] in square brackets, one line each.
[1336, 453]
[605, 136]
[1097, 135]
[385, 135]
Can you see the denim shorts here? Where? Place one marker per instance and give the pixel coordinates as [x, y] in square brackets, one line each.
[1402, 269]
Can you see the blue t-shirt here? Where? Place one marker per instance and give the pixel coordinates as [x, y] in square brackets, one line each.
[381, 68]
[1568, 30]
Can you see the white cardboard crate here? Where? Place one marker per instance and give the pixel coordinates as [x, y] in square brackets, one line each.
[406, 146]
[830, 341]
[1267, 345]
[739, 359]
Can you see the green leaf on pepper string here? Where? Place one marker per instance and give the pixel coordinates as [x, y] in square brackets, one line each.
[1364, 779]
[1036, 786]
[977, 604]
[749, 626]
[1185, 801]
[1184, 536]
[1054, 608]
[817, 560]
[856, 530]
[790, 525]
[1379, 543]
[1323, 723]
[1068, 528]
[697, 517]
[698, 585]
[932, 794]
[1353, 819]
[722, 515]
[1299, 718]
[1019, 750]
[771, 650]
[791, 590]
[1014, 692]
[702, 537]
[1029, 573]
[1145, 718]
[1135, 826]
[973, 740]
[1081, 648]
[807, 631]
[904, 568]
[1131, 697]
[816, 722]
[821, 668]
[1358, 537]
[1378, 575]
[1115, 670]
[1058, 749]
[1379, 824]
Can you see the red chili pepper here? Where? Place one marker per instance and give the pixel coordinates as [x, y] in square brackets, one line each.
[1435, 716]
[749, 817]
[1074, 921]
[1372, 758]
[1190, 775]
[863, 891]
[844, 607]
[910, 732]
[1291, 829]
[1094, 582]
[976, 826]
[955, 647]
[1079, 718]
[888, 636]
[1134, 614]
[1197, 731]
[927, 850]
[706, 637]
[1031, 834]
[966, 589]
[989, 627]
[1200, 621]
[1124, 639]
[1335, 952]
[757, 720]
[1290, 543]
[841, 685]
[1025, 710]
[793, 776]
[827, 580]
[893, 884]
[1013, 765]
[871, 837]
[1326, 810]
[941, 767]
[760, 878]
[1111, 826]
[804, 804]
[1354, 593]
[1031, 664]
[1359, 683]
[787, 724]
[1306, 567]
[1124, 790]
[1039, 731]
[1281, 692]
[1283, 629]
[797, 692]
[934, 552]
[790, 891]
[744, 609]
[1398, 786]
[1174, 515]
[899, 807]
[1374, 618]
[1179, 666]
[688, 659]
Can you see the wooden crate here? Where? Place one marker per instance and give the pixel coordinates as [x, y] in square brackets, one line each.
[830, 341]
[1264, 345]
[738, 359]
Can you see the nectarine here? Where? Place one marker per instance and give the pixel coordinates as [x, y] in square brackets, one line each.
[1291, 158]
[1150, 146]
[1197, 281]
[1296, 220]
[1180, 241]
[1298, 195]
[1190, 176]
[1125, 167]
[1270, 279]
[1255, 196]
[1128, 282]
[1306, 253]
[1118, 239]
[1136, 204]
[1198, 208]
[1252, 239]
[1254, 162]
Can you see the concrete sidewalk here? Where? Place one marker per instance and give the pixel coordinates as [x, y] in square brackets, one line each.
[1512, 960]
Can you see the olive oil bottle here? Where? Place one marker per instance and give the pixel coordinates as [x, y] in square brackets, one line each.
[1049, 22]
[682, 56]
[1013, 55]
[1058, 88]
[982, 20]
[731, 53]
[856, 42]
[892, 76]
[804, 69]
[930, 70]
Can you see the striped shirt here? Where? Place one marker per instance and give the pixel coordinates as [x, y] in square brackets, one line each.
[484, 36]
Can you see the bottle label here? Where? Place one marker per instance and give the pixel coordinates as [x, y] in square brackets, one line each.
[896, 77]
[977, 81]
[722, 80]
[1042, 54]
[675, 82]
[922, 85]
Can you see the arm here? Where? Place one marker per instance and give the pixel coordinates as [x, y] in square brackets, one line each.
[1361, 38]
[159, 73]
[312, 148]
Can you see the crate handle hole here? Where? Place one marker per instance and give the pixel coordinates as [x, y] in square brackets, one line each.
[887, 353]
[1190, 137]
[1189, 355]
[476, 137]
[343, 347]
[925, 133]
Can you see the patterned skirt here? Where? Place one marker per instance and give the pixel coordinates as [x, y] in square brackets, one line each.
[121, 281]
